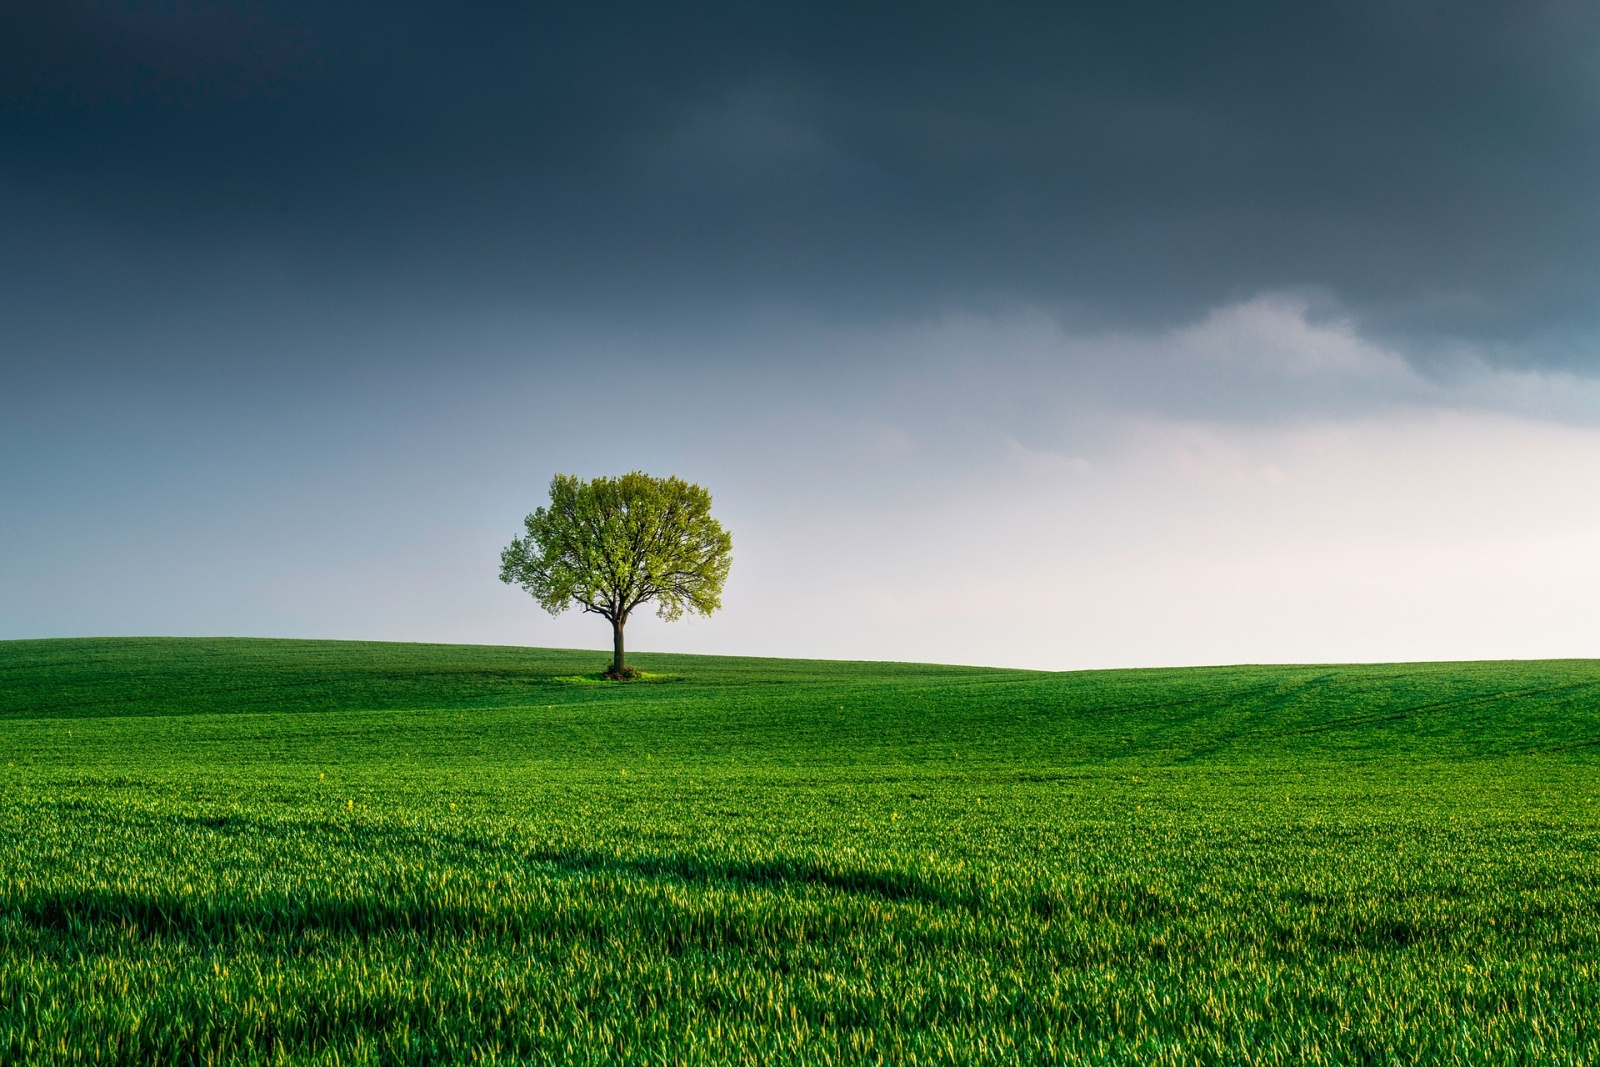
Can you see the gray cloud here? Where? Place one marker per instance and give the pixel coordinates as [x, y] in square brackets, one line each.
[1431, 166]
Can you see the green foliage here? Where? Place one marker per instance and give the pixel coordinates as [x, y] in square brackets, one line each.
[269, 851]
[612, 544]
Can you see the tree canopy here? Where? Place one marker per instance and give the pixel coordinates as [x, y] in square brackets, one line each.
[611, 545]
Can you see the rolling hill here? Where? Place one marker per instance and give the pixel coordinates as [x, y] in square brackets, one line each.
[259, 850]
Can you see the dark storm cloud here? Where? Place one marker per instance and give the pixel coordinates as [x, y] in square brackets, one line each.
[1432, 166]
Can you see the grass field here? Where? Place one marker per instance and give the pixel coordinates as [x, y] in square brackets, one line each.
[263, 851]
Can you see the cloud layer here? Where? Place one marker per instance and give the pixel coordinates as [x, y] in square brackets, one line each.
[1432, 168]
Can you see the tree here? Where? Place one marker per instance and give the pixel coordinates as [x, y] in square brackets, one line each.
[613, 544]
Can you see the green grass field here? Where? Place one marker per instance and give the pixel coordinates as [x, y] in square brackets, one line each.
[267, 851]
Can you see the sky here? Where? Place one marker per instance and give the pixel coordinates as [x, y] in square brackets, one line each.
[1042, 335]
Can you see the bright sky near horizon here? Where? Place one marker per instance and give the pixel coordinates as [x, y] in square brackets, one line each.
[1098, 335]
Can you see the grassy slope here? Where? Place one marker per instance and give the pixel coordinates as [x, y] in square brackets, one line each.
[349, 852]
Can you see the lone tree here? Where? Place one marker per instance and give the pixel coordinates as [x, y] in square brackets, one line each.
[612, 544]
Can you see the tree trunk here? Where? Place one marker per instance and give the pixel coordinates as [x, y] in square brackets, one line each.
[618, 665]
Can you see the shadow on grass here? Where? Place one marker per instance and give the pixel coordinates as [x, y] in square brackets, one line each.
[69, 924]
[604, 678]
[773, 874]
[599, 910]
